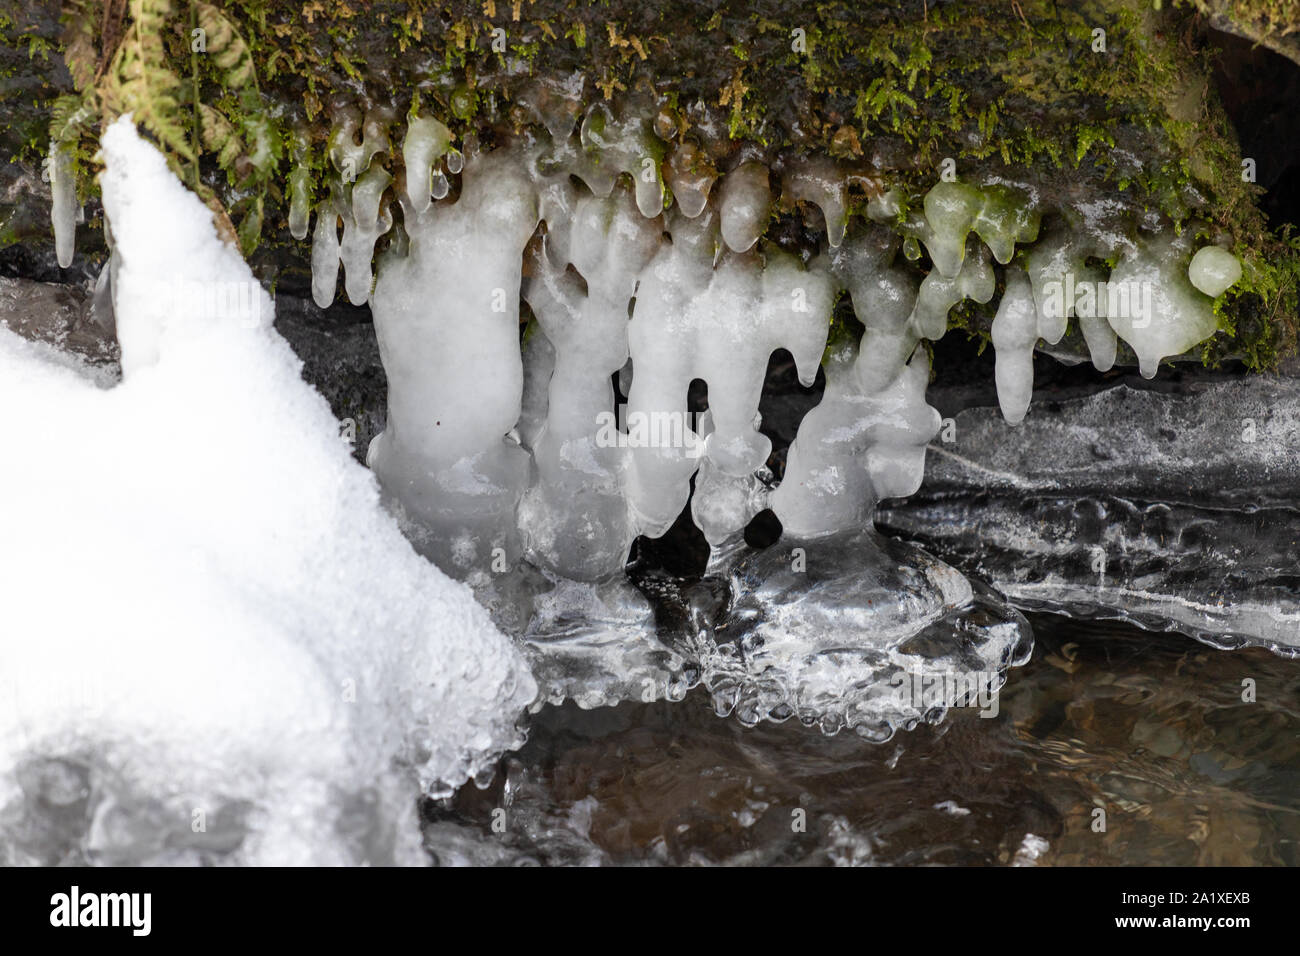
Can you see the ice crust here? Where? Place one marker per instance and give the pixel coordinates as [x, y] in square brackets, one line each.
[208, 618]
[1173, 508]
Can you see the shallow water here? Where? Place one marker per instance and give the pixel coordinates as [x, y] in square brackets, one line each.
[1149, 728]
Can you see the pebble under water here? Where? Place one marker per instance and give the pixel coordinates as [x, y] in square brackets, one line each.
[1148, 728]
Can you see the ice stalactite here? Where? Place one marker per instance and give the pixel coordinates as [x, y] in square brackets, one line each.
[1015, 332]
[365, 219]
[64, 208]
[575, 518]
[866, 438]
[745, 203]
[495, 453]
[690, 176]
[719, 324]
[299, 187]
[1159, 313]
[999, 216]
[447, 318]
[1057, 266]
[820, 181]
[325, 255]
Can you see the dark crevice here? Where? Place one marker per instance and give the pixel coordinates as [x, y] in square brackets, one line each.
[1260, 91]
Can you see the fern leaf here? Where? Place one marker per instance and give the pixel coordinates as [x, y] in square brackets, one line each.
[226, 47]
[219, 136]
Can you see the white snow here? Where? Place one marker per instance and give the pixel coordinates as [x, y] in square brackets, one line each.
[205, 610]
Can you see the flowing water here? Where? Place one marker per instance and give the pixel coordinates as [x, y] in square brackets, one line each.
[1112, 746]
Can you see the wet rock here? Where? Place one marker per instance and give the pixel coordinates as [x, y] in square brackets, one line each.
[340, 358]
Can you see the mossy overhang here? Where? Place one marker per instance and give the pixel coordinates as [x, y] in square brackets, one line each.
[1096, 98]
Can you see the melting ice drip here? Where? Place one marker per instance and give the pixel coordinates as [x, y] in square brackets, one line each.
[494, 453]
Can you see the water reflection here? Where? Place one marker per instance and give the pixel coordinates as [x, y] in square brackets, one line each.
[1112, 746]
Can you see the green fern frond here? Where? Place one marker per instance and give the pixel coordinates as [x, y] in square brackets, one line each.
[219, 136]
[80, 49]
[226, 47]
[140, 81]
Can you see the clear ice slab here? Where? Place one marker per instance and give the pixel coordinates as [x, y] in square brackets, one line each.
[846, 631]
[1173, 508]
[1227, 578]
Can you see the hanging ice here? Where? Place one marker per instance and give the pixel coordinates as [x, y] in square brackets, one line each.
[493, 453]
[63, 205]
[447, 318]
[518, 467]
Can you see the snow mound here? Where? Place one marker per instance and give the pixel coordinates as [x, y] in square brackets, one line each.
[215, 645]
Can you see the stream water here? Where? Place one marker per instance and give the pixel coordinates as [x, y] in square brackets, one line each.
[1112, 746]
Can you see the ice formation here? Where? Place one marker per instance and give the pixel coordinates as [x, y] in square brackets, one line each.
[214, 643]
[63, 204]
[830, 633]
[646, 263]
[1086, 513]
[499, 457]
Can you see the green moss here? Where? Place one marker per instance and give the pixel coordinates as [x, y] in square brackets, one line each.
[1022, 91]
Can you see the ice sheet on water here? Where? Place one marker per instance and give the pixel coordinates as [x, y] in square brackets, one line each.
[1173, 508]
[1224, 577]
[214, 643]
[847, 631]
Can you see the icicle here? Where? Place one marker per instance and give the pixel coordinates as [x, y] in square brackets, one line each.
[349, 157]
[1090, 309]
[1053, 263]
[426, 141]
[325, 255]
[690, 176]
[950, 210]
[1014, 334]
[1153, 306]
[781, 306]
[938, 293]
[575, 519]
[855, 447]
[1004, 219]
[691, 321]
[447, 320]
[64, 209]
[745, 203]
[999, 215]
[368, 221]
[883, 298]
[820, 181]
[299, 201]
[556, 104]
[612, 145]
